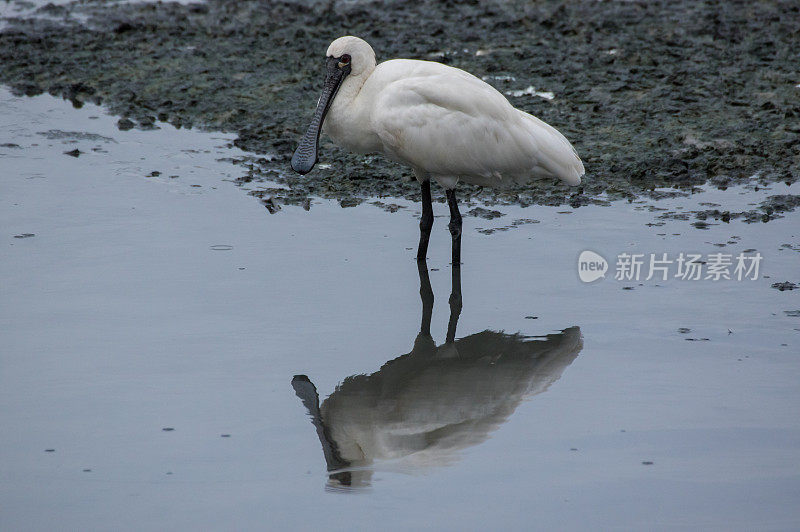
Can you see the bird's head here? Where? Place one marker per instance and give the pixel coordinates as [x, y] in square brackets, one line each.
[352, 51]
[346, 56]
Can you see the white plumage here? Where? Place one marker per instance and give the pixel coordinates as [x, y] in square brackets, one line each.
[443, 122]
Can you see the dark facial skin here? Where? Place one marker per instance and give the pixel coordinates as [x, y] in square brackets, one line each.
[307, 153]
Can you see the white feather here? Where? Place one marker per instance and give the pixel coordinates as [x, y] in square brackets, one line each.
[443, 122]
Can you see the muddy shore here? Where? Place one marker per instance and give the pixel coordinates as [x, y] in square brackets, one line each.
[653, 95]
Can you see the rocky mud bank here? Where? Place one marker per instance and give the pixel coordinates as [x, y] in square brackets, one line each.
[658, 97]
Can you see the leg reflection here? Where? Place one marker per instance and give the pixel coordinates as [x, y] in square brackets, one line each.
[455, 304]
[426, 294]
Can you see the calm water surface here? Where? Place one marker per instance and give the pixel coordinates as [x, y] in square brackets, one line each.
[312, 376]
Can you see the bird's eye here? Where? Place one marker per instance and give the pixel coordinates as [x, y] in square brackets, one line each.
[345, 59]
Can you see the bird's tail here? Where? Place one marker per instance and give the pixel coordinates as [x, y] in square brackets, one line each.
[555, 154]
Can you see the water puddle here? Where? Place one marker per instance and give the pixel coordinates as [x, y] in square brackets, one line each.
[289, 353]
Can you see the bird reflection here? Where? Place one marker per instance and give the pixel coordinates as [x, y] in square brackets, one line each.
[425, 406]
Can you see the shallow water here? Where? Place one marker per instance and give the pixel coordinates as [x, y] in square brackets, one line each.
[150, 303]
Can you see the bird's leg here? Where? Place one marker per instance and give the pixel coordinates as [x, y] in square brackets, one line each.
[426, 221]
[426, 294]
[455, 226]
[455, 304]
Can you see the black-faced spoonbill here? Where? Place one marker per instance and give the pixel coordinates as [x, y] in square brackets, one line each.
[444, 123]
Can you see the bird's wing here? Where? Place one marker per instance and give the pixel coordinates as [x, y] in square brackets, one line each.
[450, 123]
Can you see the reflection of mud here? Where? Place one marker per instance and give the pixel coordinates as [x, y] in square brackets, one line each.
[647, 91]
[425, 406]
[74, 136]
[772, 208]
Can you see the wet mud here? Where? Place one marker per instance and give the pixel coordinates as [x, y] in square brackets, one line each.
[654, 95]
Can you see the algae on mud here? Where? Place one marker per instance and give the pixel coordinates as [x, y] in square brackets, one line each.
[652, 94]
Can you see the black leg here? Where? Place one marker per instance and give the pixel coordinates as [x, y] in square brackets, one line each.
[426, 294]
[426, 221]
[455, 304]
[455, 226]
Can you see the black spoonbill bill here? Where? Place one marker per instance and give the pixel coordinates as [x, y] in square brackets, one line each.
[426, 406]
[444, 123]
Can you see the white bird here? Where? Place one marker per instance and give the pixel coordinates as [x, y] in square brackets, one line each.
[443, 122]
